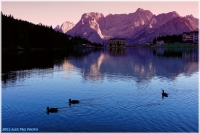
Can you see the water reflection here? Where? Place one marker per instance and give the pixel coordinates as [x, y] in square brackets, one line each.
[19, 65]
[140, 63]
[117, 51]
[94, 72]
[67, 65]
[143, 64]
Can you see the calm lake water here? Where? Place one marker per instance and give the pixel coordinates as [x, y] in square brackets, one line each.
[120, 90]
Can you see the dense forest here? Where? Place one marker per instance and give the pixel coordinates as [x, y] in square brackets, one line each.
[22, 34]
[168, 38]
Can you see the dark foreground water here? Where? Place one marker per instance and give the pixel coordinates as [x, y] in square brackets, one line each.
[120, 90]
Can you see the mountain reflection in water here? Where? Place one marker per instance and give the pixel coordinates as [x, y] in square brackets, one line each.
[140, 63]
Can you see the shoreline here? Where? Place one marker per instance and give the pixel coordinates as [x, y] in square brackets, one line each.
[149, 46]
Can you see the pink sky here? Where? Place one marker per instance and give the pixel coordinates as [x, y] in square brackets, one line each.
[55, 13]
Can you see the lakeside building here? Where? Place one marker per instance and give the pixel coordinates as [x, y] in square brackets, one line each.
[195, 36]
[160, 42]
[117, 42]
[149, 43]
[190, 37]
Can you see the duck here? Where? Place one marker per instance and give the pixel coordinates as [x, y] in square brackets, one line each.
[164, 94]
[73, 101]
[52, 109]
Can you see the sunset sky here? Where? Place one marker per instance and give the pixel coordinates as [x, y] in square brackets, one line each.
[55, 13]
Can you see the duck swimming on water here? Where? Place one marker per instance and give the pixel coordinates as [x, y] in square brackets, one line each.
[52, 109]
[164, 94]
[73, 101]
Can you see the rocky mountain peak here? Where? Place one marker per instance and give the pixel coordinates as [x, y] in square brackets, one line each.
[174, 14]
[92, 15]
[139, 10]
[194, 21]
[66, 26]
[189, 16]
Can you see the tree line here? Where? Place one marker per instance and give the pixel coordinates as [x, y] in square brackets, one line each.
[17, 33]
[168, 38]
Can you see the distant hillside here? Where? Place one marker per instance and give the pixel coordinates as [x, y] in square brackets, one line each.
[19, 34]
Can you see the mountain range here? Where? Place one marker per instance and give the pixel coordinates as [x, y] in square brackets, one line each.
[138, 27]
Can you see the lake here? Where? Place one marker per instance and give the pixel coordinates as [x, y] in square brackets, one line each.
[120, 90]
